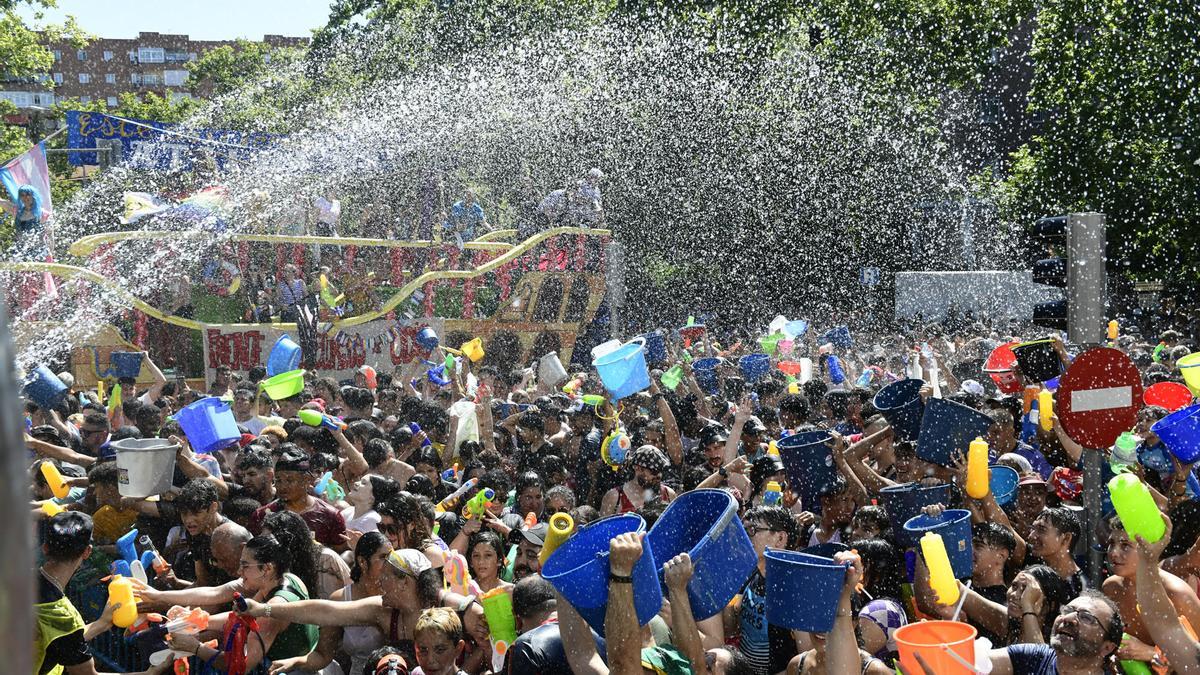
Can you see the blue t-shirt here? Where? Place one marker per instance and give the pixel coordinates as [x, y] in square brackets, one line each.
[466, 217]
[1031, 659]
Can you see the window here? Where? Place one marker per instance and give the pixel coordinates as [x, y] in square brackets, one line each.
[57, 56]
[85, 78]
[135, 78]
[58, 78]
[151, 79]
[133, 56]
[108, 56]
[175, 78]
[110, 78]
[85, 99]
[151, 54]
[177, 57]
[177, 96]
[111, 101]
[81, 54]
[43, 99]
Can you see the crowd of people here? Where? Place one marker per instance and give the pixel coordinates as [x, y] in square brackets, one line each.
[358, 579]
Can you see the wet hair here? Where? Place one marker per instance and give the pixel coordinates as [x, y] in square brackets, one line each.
[528, 480]
[104, 473]
[883, 568]
[1116, 628]
[496, 479]
[485, 538]
[356, 397]
[419, 484]
[532, 419]
[268, 548]
[1063, 520]
[383, 488]
[561, 492]
[255, 457]
[533, 595]
[994, 534]
[428, 455]
[375, 451]
[240, 508]
[1055, 592]
[363, 430]
[877, 517]
[67, 536]
[652, 510]
[367, 546]
[303, 553]
[584, 514]
[197, 495]
[776, 518]
[440, 620]
[796, 406]
[738, 663]
[1186, 520]
[405, 509]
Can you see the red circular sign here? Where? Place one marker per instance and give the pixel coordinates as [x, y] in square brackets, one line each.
[1098, 397]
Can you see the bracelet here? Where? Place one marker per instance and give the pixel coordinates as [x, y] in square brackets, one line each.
[1025, 614]
[618, 579]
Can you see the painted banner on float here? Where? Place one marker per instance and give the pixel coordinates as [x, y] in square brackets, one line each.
[380, 344]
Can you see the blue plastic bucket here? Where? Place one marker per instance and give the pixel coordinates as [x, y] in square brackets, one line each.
[795, 328]
[208, 425]
[905, 501]
[1002, 481]
[623, 370]
[579, 570]
[427, 338]
[44, 388]
[705, 525]
[803, 590]
[755, 366]
[826, 550]
[955, 527]
[284, 356]
[840, 337]
[808, 459]
[901, 405]
[656, 347]
[705, 371]
[948, 427]
[126, 364]
[1181, 432]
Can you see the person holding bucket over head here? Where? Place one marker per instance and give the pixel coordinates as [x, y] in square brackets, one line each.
[838, 650]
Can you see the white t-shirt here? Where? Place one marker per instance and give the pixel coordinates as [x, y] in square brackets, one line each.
[367, 522]
[256, 424]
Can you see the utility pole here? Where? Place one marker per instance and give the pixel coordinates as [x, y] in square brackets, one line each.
[16, 539]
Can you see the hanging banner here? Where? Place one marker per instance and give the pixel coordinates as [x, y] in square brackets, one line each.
[165, 146]
[340, 352]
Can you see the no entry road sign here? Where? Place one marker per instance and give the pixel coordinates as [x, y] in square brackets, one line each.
[1098, 397]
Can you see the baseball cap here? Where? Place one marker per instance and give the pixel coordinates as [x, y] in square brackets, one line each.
[753, 425]
[972, 387]
[536, 534]
[410, 561]
[368, 374]
[1031, 479]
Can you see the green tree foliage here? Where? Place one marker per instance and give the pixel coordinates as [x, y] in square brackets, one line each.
[230, 67]
[1119, 83]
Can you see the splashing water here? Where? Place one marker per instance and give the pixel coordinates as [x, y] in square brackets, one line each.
[747, 190]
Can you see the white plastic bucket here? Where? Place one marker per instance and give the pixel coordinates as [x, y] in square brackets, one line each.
[550, 369]
[604, 348]
[145, 465]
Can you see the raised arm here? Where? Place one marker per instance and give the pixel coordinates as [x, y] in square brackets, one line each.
[196, 596]
[1158, 614]
[364, 612]
[686, 635]
[620, 628]
[155, 391]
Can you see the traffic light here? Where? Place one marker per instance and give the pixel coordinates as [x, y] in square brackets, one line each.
[1074, 261]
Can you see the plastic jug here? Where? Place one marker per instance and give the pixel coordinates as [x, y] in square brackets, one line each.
[672, 377]
[54, 477]
[772, 494]
[1114, 329]
[977, 469]
[941, 577]
[1046, 409]
[120, 590]
[1139, 514]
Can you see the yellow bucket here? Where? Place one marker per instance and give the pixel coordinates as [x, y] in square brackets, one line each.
[1190, 367]
[473, 350]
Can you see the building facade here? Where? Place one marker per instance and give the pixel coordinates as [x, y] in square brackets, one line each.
[109, 67]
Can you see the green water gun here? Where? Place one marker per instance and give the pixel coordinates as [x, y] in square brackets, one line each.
[478, 504]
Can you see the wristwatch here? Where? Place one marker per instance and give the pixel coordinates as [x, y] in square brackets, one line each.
[723, 472]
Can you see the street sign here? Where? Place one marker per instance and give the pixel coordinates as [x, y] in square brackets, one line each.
[1098, 397]
[868, 276]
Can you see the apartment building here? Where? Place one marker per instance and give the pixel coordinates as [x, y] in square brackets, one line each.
[109, 67]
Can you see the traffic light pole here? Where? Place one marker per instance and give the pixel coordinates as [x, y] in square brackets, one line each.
[1086, 306]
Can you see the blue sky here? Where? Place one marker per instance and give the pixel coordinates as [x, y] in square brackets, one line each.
[200, 19]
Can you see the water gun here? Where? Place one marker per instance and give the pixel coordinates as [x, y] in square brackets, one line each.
[1046, 409]
[614, 449]
[530, 520]
[114, 404]
[120, 568]
[150, 556]
[327, 293]
[453, 497]
[562, 525]
[416, 430]
[180, 621]
[329, 487]
[864, 380]
[941, 576]
[145, 622]
[497, 608]
[54, 478]
[977, 469]
[594, 400]
[457, 577]
[451, 475]
[1156, 355]
[316, 418]
[1131, 667]
[772, 448]
[437, 375]
[479, 503]
[1114, 330]
[772, 494]
[1139, 514]
[572, 387]
[125, 545]
[120, 589]
[136, 571]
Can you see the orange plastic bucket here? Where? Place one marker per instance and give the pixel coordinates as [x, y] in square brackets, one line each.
[792, 368]
[934, 641]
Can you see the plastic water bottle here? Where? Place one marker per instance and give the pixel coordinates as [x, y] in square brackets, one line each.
[941, 575]
[836, 375]
[1046, 409]
[1139, 514]
[977, 469]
